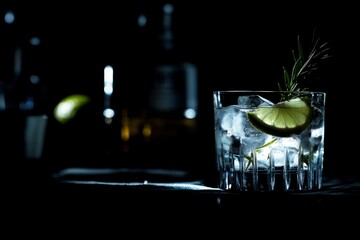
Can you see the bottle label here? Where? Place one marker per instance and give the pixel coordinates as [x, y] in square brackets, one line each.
[175, 88]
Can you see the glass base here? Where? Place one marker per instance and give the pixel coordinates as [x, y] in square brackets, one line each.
[265, 180]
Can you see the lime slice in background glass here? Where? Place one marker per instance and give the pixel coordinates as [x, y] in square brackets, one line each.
[283, 119]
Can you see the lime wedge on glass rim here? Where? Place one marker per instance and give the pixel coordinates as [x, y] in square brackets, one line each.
[283, 119]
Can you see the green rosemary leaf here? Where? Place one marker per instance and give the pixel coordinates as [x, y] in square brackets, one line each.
[304, 66]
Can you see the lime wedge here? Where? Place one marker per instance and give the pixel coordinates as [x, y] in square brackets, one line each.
[283, 119]
[67, 108]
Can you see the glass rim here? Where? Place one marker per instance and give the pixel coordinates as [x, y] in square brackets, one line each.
[269, 91]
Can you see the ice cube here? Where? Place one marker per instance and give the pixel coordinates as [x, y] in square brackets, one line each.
[231, 122]
[293, 142]
[251, 101]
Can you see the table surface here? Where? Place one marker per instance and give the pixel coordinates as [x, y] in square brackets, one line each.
[79, 195]
[164, 184]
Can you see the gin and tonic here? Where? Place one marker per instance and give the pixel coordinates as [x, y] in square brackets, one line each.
[265, 143]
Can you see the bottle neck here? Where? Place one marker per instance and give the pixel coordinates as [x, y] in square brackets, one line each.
[167, 37]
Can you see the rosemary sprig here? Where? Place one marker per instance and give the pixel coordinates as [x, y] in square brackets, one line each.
[303, 68]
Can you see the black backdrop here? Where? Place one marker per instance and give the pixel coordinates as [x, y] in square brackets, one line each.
[235, 45]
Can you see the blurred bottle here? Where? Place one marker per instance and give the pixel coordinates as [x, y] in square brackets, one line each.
[163, 129]
[23, 118]
[174, 88]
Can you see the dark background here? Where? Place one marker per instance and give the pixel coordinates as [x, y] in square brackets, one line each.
[236, 45]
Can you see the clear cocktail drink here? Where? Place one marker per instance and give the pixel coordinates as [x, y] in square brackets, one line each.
[266, 144]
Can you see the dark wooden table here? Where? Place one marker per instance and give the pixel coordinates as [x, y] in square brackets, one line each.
[79, 199]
